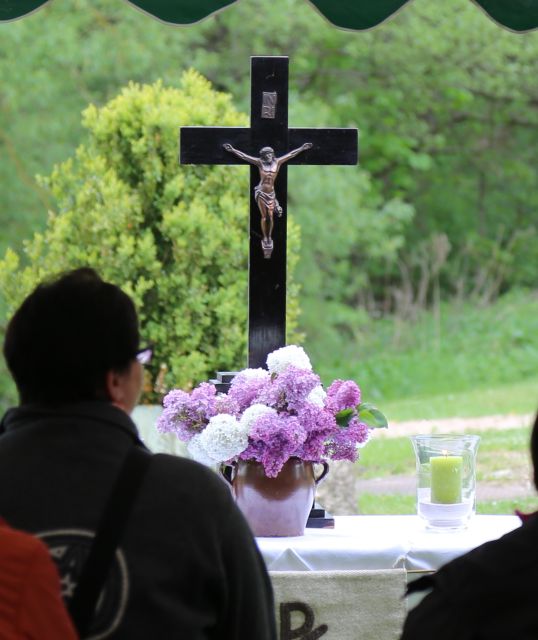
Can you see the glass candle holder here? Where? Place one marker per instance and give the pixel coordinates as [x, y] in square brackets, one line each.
[446, 479]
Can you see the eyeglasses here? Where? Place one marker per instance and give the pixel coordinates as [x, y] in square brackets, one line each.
[144, 355]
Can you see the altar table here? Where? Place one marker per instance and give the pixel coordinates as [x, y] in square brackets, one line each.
[379, 542]
[348, 583]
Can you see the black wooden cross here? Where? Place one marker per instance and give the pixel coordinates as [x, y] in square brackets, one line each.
[268, 128]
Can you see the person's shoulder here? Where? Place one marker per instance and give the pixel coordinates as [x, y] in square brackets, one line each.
[202, 492]
[179, 466]
[180, 474]
[516, 549]
[515, 553]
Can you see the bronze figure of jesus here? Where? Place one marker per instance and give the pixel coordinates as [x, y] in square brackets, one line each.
[264, 193]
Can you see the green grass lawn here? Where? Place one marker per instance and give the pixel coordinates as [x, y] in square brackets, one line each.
[386, 457]
[394, 504]
[518, 398]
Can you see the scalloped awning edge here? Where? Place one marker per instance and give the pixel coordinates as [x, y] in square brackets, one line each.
[519, 16]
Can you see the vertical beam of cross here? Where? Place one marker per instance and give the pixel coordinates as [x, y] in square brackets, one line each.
[267, 278]
[268, 128]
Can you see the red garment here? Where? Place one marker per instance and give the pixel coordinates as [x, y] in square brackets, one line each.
[31, 607]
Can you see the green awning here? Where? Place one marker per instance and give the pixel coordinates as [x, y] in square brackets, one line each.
[517, 15]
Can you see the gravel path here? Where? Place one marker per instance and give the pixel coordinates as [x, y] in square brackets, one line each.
[455, 425]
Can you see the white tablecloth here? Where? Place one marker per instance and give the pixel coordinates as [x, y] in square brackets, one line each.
[379, 542]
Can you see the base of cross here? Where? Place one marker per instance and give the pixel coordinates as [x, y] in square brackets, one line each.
[223, 380]
[319, 518]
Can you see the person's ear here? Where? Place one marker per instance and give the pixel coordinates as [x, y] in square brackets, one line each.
[124, 387]
[115, 386]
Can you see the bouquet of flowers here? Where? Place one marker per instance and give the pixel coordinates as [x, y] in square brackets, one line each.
[272, 415]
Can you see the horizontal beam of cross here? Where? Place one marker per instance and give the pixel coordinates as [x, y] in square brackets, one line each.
[204, 145]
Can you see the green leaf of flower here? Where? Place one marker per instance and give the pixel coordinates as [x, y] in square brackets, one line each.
[343, 417]
[371, 417]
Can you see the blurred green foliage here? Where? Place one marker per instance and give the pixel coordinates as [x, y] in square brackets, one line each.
[461, 347]
[441, 214]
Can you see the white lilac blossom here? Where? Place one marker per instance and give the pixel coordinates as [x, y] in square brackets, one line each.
[198, 452]
[252, 413]
[317, 396]
[223, 438]
[281, 359]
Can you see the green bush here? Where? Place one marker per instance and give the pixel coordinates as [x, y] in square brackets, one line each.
[174, 238]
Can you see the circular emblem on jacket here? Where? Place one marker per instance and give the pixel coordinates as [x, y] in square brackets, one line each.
[69, 548]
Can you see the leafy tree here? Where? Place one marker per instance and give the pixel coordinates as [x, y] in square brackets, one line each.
[174, 238]
[445, 102]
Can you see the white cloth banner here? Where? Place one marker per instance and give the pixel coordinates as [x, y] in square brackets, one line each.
[340, 605]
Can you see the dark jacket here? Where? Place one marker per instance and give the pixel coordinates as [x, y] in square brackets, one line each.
[188, 566]
[486, 594]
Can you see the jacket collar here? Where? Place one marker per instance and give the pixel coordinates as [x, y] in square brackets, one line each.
[96, 411]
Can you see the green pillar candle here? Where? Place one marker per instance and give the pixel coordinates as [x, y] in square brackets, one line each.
[446, 479]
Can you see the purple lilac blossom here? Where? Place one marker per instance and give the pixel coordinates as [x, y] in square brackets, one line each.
[320, 425]
[342, 394]
[273, 439]
[344, 444]
[289, 390]
[247, 385]
[187, 413]
[226, 404]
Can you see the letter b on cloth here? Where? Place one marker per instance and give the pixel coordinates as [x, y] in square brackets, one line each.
[306, 630]
[352, 605]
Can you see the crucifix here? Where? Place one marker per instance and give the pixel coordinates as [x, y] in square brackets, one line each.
[269, 146]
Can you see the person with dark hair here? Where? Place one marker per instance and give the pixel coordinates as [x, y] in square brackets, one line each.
[69, 339]
[146, 546]
[486, 594]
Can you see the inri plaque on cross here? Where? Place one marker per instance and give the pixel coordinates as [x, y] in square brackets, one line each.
[268, 146]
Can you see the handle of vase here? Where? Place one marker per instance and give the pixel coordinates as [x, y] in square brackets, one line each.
[323, 473]
[227, 471]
